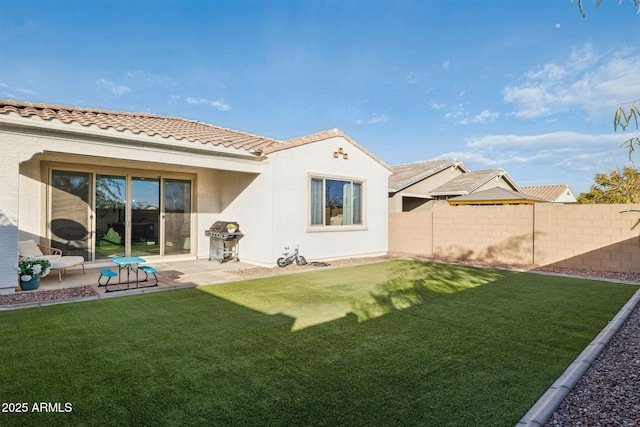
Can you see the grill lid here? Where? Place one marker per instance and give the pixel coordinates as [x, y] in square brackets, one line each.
[221, 226]
[224, 230]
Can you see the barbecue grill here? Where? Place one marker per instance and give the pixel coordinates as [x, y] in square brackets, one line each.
[223, 240]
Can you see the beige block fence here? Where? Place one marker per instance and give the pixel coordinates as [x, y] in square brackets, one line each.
[586, 237]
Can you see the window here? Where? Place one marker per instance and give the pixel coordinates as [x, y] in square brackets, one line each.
[336, 202]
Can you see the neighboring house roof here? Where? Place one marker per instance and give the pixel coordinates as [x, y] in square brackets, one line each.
[408, 174]
[166, 127]
[471, 181]
[495, 196]
[551, 193]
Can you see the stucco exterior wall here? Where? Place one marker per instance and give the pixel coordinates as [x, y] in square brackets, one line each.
[423, 187]
[590, 237]
[498, 182]
[251, 207]
[9, 216]
[23, 201]
[226, 196]
[292, 170]
[268, 196]
[566, 197]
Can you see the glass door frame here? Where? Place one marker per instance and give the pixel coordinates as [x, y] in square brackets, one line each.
[129, 174]
[129, 213]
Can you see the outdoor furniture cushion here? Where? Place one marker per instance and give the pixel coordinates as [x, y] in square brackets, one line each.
[29, 248]
[63, 262]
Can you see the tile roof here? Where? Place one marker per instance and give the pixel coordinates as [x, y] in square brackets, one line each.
[497, 195]
[168, 127]
[470, 181]
[408, 174]
[548, 192]
[152, 125]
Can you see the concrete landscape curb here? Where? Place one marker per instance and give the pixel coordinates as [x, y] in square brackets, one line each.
[110, 295]
[544, 408]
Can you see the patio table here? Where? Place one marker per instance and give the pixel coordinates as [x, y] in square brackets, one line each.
[131, 265]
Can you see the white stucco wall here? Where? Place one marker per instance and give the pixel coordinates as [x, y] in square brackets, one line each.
[9, 216]
[241, 197]
[273, 209]
[269, 196]
[292, 169]
[567, 196]
[23, 199]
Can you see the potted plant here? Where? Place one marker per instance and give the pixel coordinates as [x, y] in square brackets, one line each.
[30, 270]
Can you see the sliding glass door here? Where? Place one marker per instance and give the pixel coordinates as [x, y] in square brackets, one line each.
[111, 216]
[177, 216]
[145, 216]
[70, 212]
[101, 216]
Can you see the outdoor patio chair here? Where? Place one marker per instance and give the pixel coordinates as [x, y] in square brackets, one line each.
[59, 262]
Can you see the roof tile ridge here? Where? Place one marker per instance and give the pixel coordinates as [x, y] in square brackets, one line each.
[234, 131]
[293, 142]
[424, 174]
[68, 108]
[68, 114]
[449, 161]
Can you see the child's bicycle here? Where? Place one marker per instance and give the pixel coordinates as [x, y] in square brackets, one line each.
[290, 256]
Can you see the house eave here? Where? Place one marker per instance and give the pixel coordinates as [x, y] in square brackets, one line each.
[20, 124]
[493, 202]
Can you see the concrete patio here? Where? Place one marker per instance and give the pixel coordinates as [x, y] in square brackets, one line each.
[171, 274]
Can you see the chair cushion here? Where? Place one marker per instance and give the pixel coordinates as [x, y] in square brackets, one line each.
[66, 262]
[29, 248]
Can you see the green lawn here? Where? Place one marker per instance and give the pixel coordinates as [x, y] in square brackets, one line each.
[396, 343]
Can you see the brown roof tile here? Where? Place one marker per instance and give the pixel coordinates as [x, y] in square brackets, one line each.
[167, 127]
[149, 124]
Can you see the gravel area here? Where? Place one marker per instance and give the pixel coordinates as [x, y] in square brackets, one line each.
[31, 297]
[608, 394]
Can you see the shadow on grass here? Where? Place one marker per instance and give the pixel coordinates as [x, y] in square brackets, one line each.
[480, 357]
[366, 291]
[411, 282]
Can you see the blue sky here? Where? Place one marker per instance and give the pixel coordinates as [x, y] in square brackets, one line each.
[528, 86]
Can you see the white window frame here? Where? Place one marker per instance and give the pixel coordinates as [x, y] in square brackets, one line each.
[335, 227]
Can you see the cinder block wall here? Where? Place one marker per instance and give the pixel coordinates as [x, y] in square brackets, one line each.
[590, 237]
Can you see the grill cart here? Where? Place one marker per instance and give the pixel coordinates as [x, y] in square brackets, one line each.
[223, 240]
